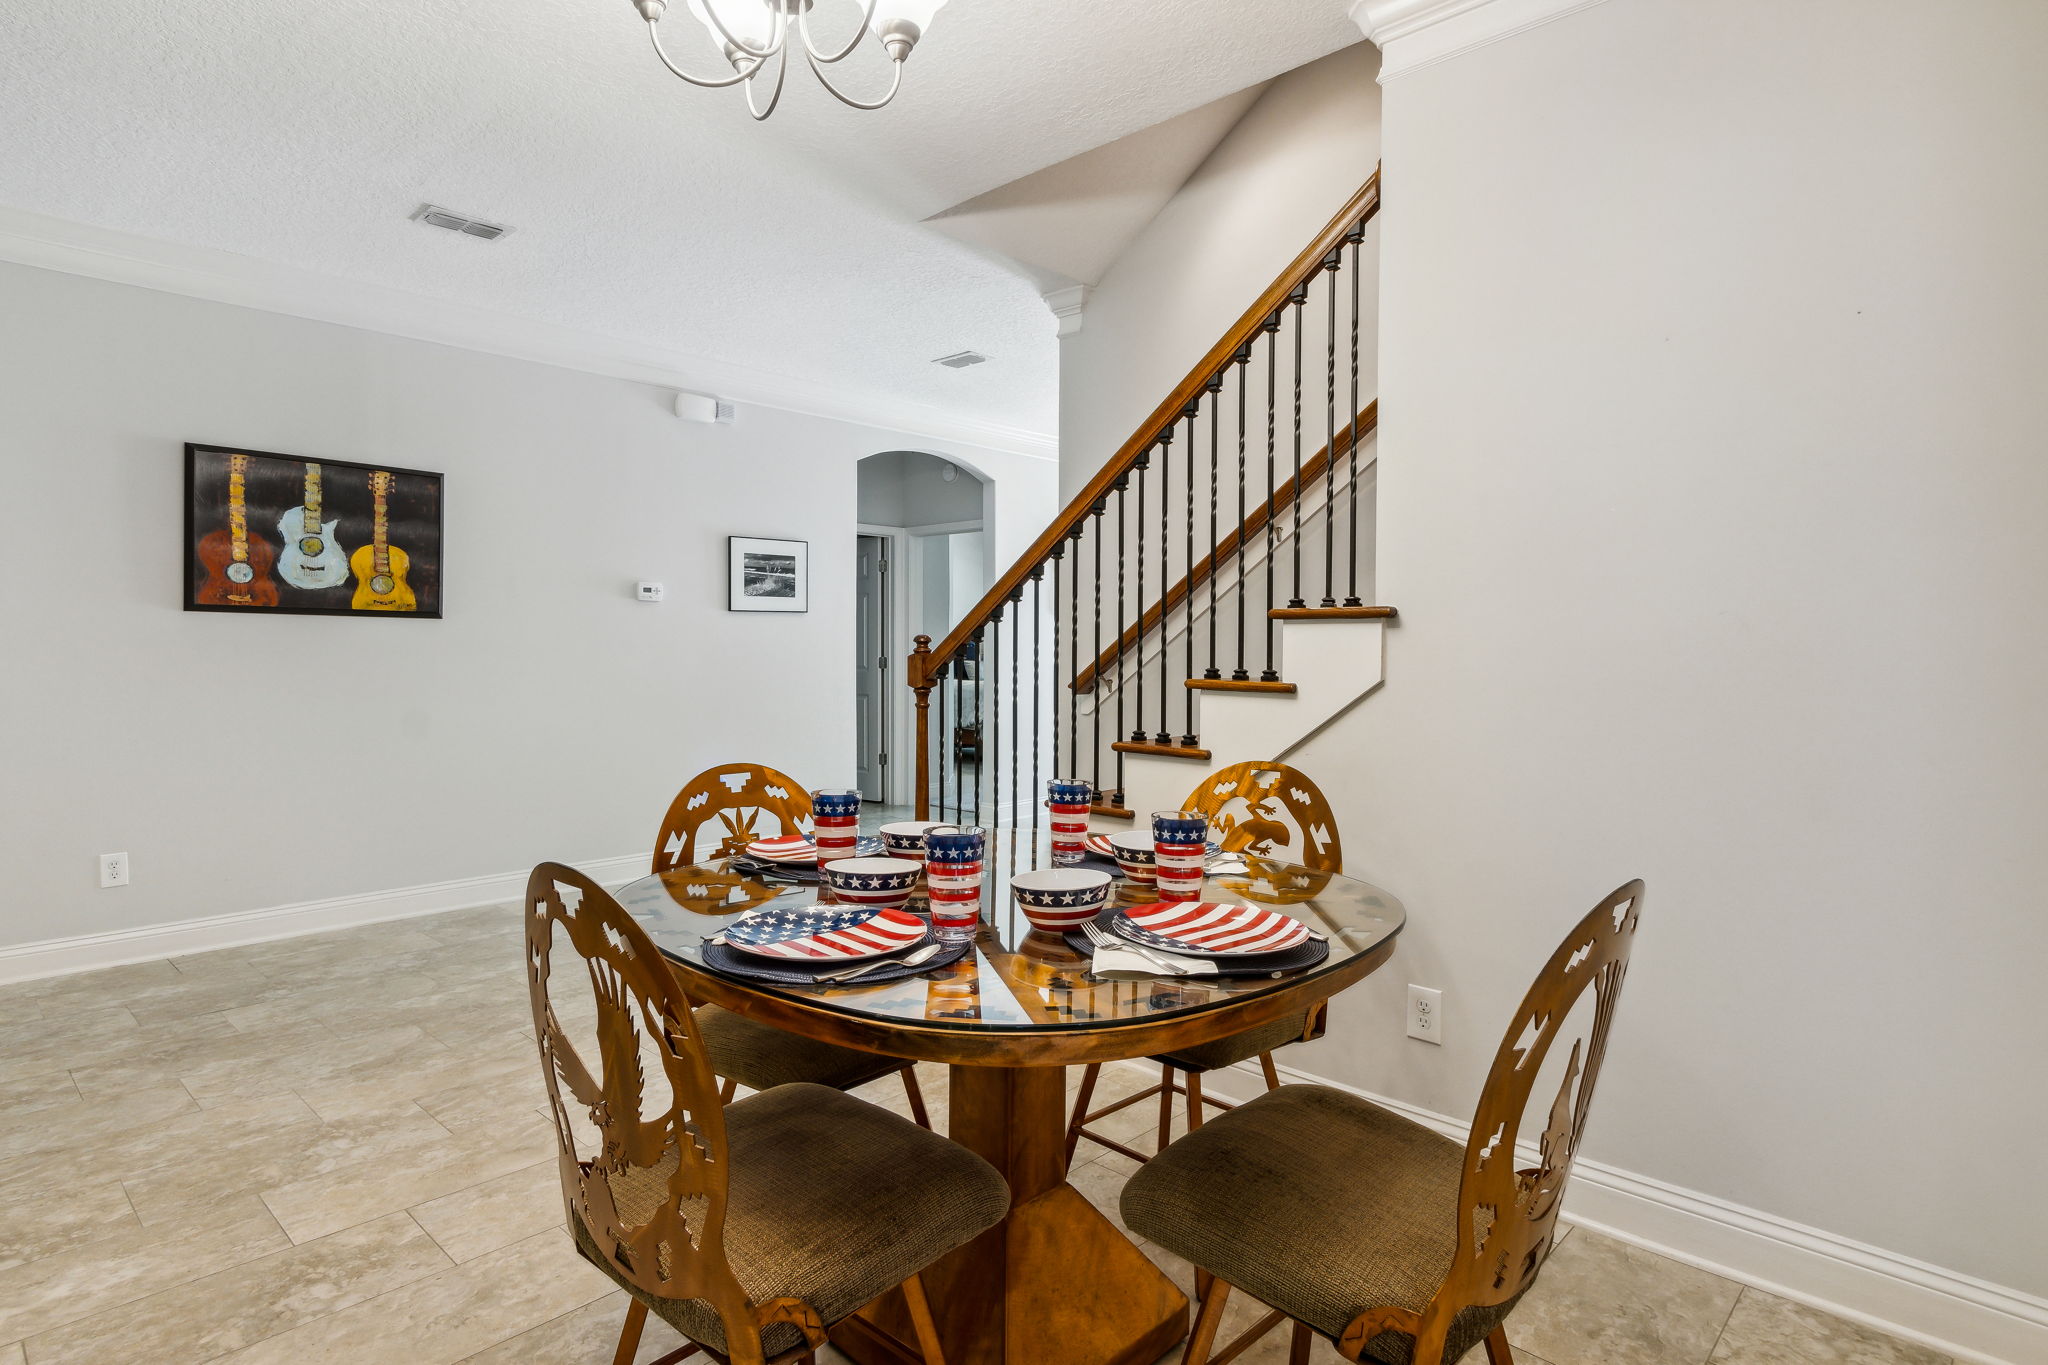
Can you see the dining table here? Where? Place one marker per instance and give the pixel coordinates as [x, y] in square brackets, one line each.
[1056, 1282]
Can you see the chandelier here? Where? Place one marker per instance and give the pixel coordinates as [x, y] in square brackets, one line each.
[755, 36]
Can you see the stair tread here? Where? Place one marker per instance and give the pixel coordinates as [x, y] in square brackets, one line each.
[1115, 812]
[1124, 746]
[1231, 685]
[1333, 613]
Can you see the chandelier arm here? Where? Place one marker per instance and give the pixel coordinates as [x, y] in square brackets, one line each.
[803, 20]
[895, 84]
[776, 35]
[775, 97]
[655, 37]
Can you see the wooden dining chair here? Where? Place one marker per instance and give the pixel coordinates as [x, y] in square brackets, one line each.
[716, 815]
[1391, 1240]
[750, 1227]
[1265, 810]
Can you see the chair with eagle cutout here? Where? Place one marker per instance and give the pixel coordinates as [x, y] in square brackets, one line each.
[1264, 810]
[751, 1227]
[1397, 1244]
[716, 815]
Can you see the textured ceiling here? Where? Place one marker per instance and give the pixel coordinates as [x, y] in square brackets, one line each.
[644, 210]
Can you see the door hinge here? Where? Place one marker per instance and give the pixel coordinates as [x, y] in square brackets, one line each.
[882, 760]
[883, 662]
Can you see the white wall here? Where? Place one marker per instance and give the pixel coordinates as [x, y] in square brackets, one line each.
[1273, 182]
[909, 488]
[1712, 495]
[251, 763]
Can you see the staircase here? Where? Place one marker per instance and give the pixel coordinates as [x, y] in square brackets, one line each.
[1203, 601]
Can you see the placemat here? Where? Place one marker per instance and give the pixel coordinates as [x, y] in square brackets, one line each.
[1295, 959]
[807, 874]
[743, 967]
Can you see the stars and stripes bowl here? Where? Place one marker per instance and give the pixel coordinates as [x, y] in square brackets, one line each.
[882, 882]
[825, 933]
[1211, 929]
[1134, 853]
[1061, 898]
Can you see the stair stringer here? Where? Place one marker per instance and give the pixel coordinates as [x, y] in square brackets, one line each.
[1333, 665]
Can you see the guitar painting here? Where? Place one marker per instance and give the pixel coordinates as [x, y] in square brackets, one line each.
[237, 564]
[380, 567]
[312, 559]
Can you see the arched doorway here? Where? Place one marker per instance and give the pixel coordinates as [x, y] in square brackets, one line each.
[923, 559]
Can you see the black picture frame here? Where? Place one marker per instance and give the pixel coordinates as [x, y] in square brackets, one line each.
[764, 573]
[282, 578]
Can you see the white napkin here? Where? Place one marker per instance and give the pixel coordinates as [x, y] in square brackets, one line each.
[1123, 962]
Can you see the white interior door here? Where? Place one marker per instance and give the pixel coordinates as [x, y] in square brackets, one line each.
[871, 665]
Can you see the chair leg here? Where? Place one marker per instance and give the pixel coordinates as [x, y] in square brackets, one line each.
[629, 1335]
[1088, 1079]
[1165, 1106]
[1203, 1339]
[921, 1321]
[1272, 1072]
[917, 1113]
[1304, 1337]
[1497, 1351]
[728, 1090]
[1194, 1100]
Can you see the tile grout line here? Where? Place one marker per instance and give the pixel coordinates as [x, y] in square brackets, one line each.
[1722, 1331]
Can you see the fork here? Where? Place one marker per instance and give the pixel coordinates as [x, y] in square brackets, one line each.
[1102, 938]
[918, 958]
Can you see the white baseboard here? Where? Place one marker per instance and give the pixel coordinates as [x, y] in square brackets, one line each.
[1959, 1315]
[148, 943]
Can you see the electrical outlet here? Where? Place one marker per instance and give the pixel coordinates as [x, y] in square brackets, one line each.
[113, 869]
[1425, 1014]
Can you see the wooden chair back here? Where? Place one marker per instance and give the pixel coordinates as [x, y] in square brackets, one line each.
[1507, 1217]
[672, 1245]
[1270, 810]
[733, 804]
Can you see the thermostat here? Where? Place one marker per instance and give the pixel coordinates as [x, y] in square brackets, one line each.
[652, 592]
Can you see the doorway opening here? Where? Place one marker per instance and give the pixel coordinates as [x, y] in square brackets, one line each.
[923, 559]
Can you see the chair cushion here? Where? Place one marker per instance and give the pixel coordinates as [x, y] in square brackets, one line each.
[760, 1056]
[1238, 1046]
[1319, 1204]
[831, 1200]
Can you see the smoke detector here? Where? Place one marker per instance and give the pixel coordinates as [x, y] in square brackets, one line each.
[960, 360]
[433, 215]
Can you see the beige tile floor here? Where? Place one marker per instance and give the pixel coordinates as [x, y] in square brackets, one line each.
[331, 1149]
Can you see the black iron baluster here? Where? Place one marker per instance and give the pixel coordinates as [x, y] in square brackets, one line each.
[1330, 268]
[980, 730]
[1215, 498]
[1244, 551]
[1016, 707]
[1187, 599]
[1095, 663]
[1272, 327]
[1059, 555]
[1122, 482]
[1298, 301]
[1162, 735]
[1064, 677]
[992, 762]
[945, 738]
[1137, 734]
[1034, 787]
[1355, 237]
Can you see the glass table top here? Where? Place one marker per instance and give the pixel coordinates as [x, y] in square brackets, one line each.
[1018, 977]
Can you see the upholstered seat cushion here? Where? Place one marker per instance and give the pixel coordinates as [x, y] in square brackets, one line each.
[1238, 1046]
[831, 1200]
[761, 1057]
[1317, 1203]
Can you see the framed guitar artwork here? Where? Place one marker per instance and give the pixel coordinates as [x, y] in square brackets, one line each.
[314, 537]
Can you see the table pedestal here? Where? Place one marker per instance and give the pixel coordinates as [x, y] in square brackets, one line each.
[1055, 1281]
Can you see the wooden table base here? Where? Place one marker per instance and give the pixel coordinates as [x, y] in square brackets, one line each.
[1056, 1281]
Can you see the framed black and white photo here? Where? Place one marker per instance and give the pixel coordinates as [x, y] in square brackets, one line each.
[769, 575]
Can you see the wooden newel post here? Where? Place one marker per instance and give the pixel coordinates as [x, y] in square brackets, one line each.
[921, 684]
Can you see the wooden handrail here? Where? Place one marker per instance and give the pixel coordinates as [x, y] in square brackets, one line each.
[1232, 541]
[1314, 257]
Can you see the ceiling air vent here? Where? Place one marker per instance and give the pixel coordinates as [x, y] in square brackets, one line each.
[433, 215]
[960, 360]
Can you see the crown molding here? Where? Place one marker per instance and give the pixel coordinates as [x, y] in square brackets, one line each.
[1412, 34]
[225, 277]
[1066, 305]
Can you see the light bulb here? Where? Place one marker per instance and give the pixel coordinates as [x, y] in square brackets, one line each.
[750, 21]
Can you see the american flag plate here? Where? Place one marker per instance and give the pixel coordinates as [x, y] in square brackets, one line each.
[798, 848]
[825, 933]
[1099, 843]
[1209, 929]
